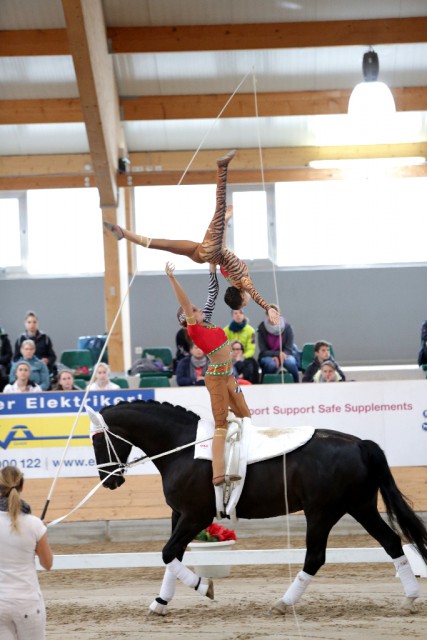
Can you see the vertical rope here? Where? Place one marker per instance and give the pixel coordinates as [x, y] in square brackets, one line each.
[276, 293]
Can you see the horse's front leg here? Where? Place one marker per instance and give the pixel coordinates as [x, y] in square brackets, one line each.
[173, 553]
[318, 530]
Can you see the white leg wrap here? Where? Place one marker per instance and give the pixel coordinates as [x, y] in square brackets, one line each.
[159, 609]
[167, 590]
[409, 582]
[183, 573]
[297, 588]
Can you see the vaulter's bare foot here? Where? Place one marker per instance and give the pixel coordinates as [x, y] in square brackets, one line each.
[115, 230]
[225, 160]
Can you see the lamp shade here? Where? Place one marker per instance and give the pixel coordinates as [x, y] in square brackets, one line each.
[371, 98]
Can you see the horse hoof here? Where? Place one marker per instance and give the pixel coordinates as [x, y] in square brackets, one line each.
[210, 591]
[279, 608]
[157, 609]
[408, 605]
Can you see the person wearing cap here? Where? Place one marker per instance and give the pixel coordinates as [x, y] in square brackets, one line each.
[223, 389]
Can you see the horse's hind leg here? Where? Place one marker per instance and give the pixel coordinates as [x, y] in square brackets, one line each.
[371, 520]
[319, 525]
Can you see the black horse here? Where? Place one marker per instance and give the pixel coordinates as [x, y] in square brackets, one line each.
[332, 474]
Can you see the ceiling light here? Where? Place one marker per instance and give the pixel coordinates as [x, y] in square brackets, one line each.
[370, 97]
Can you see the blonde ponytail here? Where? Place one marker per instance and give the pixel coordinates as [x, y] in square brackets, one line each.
[11, 481]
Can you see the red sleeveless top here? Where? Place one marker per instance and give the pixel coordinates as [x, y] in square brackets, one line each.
[208, 339]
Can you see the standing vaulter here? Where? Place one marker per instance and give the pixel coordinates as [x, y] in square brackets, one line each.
[219, 379]
[211, 249]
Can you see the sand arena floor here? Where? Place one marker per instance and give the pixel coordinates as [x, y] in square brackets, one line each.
[344, 602]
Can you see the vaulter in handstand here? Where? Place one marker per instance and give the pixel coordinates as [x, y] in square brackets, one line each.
[212, 249]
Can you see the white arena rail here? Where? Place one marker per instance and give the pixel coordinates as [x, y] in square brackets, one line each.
[233, 557]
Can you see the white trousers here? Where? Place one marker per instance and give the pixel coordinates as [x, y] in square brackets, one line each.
[22, 619]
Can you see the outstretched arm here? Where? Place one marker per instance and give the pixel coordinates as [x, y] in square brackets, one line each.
[256, 297]
[181, 296]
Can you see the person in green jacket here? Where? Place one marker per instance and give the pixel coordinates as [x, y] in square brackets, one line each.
[240, 329]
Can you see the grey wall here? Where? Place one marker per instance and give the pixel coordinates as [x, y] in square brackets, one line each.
[372, 315]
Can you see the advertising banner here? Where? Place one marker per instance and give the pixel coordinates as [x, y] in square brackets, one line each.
[35, 428]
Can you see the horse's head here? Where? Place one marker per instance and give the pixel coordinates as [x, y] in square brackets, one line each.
[111, 454]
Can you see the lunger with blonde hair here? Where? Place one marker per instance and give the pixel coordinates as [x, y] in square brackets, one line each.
[22, 536]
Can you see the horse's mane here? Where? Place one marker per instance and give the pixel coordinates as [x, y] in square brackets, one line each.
[154, 406]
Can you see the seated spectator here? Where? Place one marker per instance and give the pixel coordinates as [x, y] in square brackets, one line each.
[276, 344]
[102, 379]
[239, 329]
[327, 372]
[44, 347]
[245, 370]
[191, 369]
[22, 382]
[322, 352]
[39, 371]
[5, 358]
[65, 381]
[183, 344]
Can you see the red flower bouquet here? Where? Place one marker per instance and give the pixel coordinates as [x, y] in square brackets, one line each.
[215, 533]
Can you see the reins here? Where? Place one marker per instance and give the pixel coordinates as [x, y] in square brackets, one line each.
[122, 467]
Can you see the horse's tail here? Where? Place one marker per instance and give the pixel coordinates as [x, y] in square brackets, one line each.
[399, 508]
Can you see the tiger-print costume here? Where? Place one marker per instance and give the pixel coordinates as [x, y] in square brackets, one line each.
[212, 248]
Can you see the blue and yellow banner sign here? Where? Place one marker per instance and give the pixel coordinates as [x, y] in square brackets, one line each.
[35, 429]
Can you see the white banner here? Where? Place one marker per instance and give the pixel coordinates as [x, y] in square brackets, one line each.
[34, 428]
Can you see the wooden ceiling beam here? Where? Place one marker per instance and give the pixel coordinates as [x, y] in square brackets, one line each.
[97, 90]
[280, 164]
[238, 176]
[291, 103]
[332, 33]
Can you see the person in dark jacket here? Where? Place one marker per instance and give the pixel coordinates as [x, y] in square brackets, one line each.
[244, 369]
[275, 344]
[44, 347]
[322, 352]
[5, 358]
[191, 369]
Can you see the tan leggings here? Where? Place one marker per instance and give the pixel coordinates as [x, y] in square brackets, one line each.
[224, 393]
[210, 249]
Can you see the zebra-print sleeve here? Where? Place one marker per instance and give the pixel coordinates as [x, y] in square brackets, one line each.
[212, 296]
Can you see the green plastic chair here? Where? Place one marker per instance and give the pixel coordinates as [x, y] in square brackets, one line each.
[308, 354]
[80, 383]
[154, 381]
[276, 378]
[75, 358]
[122, 382]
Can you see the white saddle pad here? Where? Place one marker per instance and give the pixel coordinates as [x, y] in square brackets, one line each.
[263, 442]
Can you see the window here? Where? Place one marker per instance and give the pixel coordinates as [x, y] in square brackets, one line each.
[64, 232]
[360, 222]
[177, 212]
[249, 223]
[12, 236]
